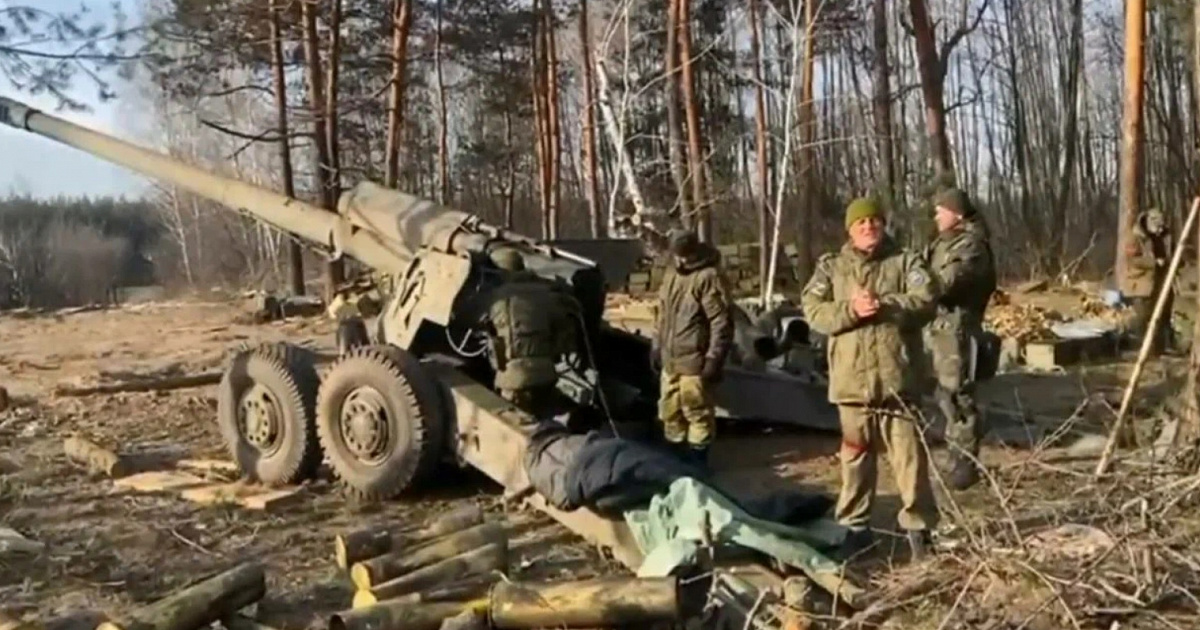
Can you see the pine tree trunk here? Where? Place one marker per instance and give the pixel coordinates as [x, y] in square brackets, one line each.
[334, 270]
[692, 111]
[883, 104]
[591, 185]
[929, 62]
[762, 149]
[295, 254]
[679, 167]
[443, 189]
[401, 26]
[1131, 129]
[807, 150]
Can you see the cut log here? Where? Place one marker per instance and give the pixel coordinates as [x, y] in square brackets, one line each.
[162, 384]
[392, 565]
[200, 604]
[97, 458]
[481, 561]
[600, 603]
[400, 616]
[368, 543]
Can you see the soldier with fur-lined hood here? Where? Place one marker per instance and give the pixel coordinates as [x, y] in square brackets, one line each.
[1146, 257]
[693, 335]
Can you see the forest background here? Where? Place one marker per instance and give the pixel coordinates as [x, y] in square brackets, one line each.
[569, 119]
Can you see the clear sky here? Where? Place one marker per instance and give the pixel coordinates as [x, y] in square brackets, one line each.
[40, 167]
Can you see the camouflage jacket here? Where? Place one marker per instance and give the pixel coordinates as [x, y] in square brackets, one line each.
[1146, 263]
[694, 324]
[872, 360]
[532, 324]
[963, 263]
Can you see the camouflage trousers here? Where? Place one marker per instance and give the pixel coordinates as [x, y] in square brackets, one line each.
[535, 401]
[686, 410]
[951, 353]
[864, 431]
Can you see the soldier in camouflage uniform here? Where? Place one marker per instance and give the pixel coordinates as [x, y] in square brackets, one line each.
[531, 324]
[693, 335]
[1146, 257]
[871, 299]
[961, 258]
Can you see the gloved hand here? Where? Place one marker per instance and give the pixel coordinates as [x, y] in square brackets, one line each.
[712, 371]
[656, 358]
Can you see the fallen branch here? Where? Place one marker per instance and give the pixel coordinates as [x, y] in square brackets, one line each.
[162, 384]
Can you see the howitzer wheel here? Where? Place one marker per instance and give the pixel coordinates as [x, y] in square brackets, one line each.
[381, 421]
[266, 411]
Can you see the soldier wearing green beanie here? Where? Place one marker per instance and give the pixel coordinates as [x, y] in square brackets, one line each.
[961, 258]
[863, 208]
[871, 299]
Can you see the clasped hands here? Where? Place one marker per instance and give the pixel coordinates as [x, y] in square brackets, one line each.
[864, 302]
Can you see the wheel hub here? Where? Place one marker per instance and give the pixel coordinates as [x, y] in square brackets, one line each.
[261, 418]
[364, 424]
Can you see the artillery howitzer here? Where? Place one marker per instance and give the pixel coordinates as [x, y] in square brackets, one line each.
[398, 402]
[379, 414]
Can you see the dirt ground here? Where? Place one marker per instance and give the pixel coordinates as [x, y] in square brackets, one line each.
[110, 550]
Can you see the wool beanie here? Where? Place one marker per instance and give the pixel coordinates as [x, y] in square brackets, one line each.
[862, 208]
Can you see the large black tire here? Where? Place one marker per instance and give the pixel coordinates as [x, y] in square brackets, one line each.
[381, 421]
[266, 412]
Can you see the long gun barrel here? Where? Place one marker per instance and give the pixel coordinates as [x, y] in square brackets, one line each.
[380, 227]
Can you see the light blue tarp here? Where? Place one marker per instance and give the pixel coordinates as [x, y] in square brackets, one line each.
[668, 532]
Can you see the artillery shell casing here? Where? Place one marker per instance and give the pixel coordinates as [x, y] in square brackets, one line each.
[392, 565]
[455, 520]
[598, 603]
[398, 616]
[486, 559]
[360, 545]
[199, 604]
[471, 588]
[371, 542]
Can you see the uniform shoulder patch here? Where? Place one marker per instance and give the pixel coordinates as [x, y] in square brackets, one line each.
[820, 288]
[917, 277]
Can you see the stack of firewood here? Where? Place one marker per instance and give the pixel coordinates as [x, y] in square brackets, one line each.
[1023, 322]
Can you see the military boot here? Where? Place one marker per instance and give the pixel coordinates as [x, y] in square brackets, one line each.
[963, 472]
[679, 450]
[921, 544]
[857, 541]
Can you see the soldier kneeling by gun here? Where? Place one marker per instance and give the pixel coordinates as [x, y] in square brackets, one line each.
[531, 323]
